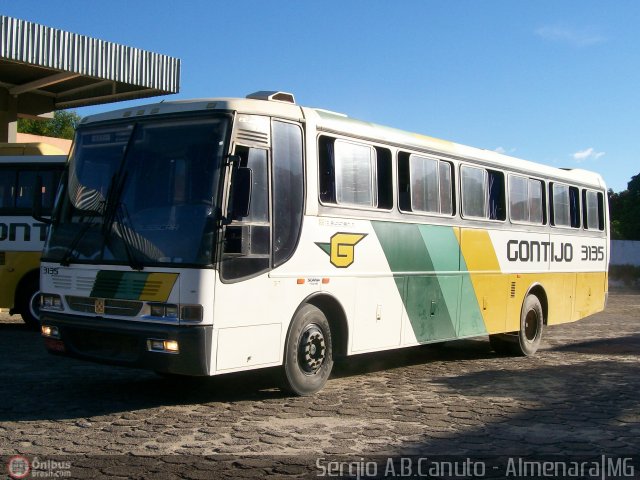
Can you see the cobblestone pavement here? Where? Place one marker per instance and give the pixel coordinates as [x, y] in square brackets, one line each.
[580, 395]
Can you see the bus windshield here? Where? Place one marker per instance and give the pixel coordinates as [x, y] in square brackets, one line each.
[140, 193]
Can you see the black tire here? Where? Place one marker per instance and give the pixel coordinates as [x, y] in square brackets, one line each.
[531, 326]
[29, 303]
[308, 355]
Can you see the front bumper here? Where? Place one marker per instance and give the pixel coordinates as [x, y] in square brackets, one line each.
[124, 343]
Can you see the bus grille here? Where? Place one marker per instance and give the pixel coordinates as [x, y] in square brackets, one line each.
[253, 137]
[67, 282]
[122, 308]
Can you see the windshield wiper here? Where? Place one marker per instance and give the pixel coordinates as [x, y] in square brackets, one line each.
[115, 211]
[112, 201]
[122, 216]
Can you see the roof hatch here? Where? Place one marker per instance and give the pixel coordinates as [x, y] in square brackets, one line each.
[273, 96]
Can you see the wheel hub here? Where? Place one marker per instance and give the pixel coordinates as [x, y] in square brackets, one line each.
[531, 325]
[311, 350]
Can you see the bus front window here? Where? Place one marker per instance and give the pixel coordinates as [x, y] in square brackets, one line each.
[141, 193]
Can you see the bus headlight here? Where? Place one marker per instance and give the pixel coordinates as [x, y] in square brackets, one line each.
[186, 313]
[163, 310]
[162, 346]
[50, 331]
[50, 301]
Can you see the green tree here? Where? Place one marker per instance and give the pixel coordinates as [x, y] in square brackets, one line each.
[62, 125]
[624, 208]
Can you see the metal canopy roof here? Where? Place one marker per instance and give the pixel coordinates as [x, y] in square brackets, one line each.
[44, 69]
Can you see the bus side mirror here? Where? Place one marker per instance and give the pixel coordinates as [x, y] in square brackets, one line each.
[36, 211]
[241, 193]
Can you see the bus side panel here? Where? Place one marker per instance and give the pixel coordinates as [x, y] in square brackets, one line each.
[425, 259]
[248, 318]
[21, 240]
[377, 322]
[590, 296]
[489, 284]
[349, 257]
[560, 290]
[571, 269]
[16, 265]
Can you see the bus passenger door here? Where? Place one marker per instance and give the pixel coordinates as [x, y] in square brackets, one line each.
[245, 337]
[251, 309]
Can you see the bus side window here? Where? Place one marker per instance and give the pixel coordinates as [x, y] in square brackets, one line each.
[592, 210]
[474, 195]
[483, 193]
[518, 199]
[354, 174]
[574, 207]
[565, 205]
[424, 184]
[446, 188]
[537, 209]
[288, 190]
[50, 180]
[559, 196]
[24, 192]
[404, 188]
[496, 199]
[600, 211]
[425, 194]
[526, 200]
[7, 188]
[385, 178]
[326, 161]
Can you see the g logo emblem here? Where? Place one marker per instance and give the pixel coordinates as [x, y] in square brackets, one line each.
[341, 249]
[99, 306]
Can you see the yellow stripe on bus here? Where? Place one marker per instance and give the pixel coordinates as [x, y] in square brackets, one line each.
[158, 286]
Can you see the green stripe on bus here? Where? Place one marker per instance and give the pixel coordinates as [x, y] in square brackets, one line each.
[120, 285]
[432, 280]
[445, 251]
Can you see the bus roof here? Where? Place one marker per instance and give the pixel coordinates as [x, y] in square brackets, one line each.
[340, 123]
[36, 148]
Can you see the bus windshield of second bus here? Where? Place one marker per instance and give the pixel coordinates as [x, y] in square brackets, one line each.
[141, 193]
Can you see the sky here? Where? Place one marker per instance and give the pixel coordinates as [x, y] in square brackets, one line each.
[555, 82]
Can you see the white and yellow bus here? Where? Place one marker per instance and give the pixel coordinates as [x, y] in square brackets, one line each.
[22, 237]
[222, 235]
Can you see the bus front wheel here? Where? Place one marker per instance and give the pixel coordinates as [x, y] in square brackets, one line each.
[308, 356]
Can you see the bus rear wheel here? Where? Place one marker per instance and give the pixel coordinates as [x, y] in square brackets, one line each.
[531, 326]
[308, 356]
